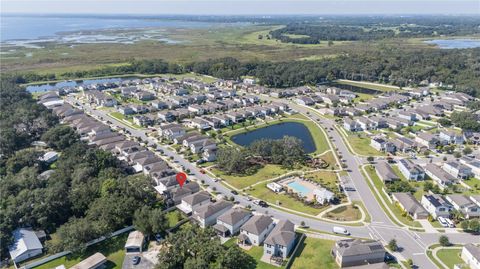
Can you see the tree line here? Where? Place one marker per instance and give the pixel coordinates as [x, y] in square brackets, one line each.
[399, 67]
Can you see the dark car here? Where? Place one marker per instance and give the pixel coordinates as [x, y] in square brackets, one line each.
[136, 260]
[234, 192]
[262, 204]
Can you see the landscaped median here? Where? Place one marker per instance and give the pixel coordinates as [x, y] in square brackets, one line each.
[358, 143]
[398, 216]
[445, 257]
[120, 117]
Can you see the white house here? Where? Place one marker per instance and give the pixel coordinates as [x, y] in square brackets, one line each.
[25, 245]
[410, 170]
[436, 205]
[207, 215]
[281, 240]
[255, 230]
[439, 176]
[463, 204]
[457, 169]
[49, 157]
[229, 223]
[191, 202]
[471, 256]
[323, 195]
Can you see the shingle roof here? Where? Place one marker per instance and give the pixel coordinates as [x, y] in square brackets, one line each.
[257, 224]
[210, 209]
[282, 234]
[234, 215]
[197, 198]
[354, 247]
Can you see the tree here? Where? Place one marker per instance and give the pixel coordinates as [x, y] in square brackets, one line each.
[392, 245]
[149, 220]
[467, 151]
[60, 137]
[444, 241]
[370, 159]
[234, 257]
[410, 263]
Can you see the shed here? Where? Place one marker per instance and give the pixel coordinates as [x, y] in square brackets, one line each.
[92, 262]
[134, 242]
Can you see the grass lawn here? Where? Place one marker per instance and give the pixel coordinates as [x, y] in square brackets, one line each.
[360, 143]
[173, 217]
[450, 257]
[344, 213]
[418, 185]
[328, 179]
[378, 184]
[264, 173]
[261, 191]
[330, 159]
[112, 248]
[257, 253]
[119, 116]
[474, 183]
[314, 253]
[368, 85]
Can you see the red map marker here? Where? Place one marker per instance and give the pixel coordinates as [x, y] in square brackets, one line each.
[181, 178]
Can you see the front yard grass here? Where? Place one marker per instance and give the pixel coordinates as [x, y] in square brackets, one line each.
[330, 159]
[262, 192]
[267, 172]
[378, 184]
[112, 248]
[360, 143]
[119, 116]
[344, 213]
[314, 253]
[450, 257]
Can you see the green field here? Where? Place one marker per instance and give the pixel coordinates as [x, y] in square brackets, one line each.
[314, 253]
[267, 172]
[450, 257]
[344, 213]
[119, 116]
[360, 143]
[112, 248]
[327, 179]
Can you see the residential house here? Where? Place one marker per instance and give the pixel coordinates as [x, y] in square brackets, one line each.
[475, 199]
[229, 223]
[439, 176]
[385, 172]
[463, 204]
[382, 144]
[410, 170]
[407, 115]
[281, 240]
[25, 245]
[365, 123]
[436, 205]
[471, 256]
[199, 124]
[209, 154]
[451, 137]
[175, 196]
[144, 95]
[408, 203]
[473, 164]
[255, 230]
[207, 215]
[426, 139]
[191, 202]
[457, 169]
[351, 125]
[135, 242]
[125, 110]
[305, 101]
[354, 252]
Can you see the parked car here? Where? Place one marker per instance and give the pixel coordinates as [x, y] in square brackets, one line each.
[443, 221]
[262, 203]
[136, 260]
[234, 192]
[340, 230]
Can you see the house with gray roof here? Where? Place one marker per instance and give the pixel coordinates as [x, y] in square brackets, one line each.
[229, 223]
[354, 252]
[408, 203]
[255, 230]
[191, 202]
[471, 256]
[25, 245]
[439, 176]
[207, 215]
[281, 240]
[385, 172]
[457, 169]
[463, 204]
[410, 170]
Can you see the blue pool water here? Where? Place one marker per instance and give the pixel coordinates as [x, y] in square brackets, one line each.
[299, 188]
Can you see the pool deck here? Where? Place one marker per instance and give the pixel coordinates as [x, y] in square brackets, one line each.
[305, 183]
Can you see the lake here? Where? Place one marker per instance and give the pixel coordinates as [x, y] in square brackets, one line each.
[61, 84]
[455, 43]
[278, 131]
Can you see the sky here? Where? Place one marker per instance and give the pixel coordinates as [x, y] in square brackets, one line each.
[241, 7]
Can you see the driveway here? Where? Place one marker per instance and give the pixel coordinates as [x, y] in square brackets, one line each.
[144, 262]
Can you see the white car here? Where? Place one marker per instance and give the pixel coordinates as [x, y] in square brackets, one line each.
[443, 221]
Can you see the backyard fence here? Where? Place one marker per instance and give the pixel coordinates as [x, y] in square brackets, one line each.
[294, 252]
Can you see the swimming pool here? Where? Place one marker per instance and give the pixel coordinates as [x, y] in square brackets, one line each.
[304, 191]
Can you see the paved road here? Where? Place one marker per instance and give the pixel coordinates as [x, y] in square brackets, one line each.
[413, 244]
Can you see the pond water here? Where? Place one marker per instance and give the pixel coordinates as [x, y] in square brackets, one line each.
[455, 43]
[355, 88]
[70, 83]
[278, 131]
